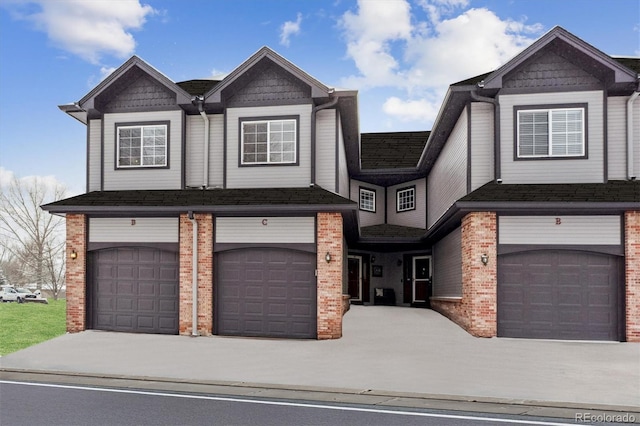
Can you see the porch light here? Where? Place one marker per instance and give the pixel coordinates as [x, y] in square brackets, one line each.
[484, 259]
[73, 255]
[327, 257]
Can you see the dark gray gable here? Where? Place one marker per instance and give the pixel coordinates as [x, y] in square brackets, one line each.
[135, 91]
[266, 83]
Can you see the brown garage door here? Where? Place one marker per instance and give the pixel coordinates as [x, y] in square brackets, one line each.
[266, 292]
[134, 290]
[559, 294]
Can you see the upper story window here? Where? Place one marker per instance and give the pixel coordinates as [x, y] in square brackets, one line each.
[142, 145]
[406, 199]
[544, 133]
[269, 141]
[367, 200]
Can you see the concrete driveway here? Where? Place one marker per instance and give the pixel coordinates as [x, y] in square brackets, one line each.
[388, 349]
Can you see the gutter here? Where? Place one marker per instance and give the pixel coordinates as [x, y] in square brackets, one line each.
[630, 153]
[496, 134]
[199, 102]
[334, 100]
[194, 276]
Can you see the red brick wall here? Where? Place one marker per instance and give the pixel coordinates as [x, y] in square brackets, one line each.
[76, 272]
[205, 274]
[632, 274]
[476, 312]
[330, 275]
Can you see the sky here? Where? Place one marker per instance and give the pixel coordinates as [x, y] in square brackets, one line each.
[401, 55]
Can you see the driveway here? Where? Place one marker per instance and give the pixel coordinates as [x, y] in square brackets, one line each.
[389, 349]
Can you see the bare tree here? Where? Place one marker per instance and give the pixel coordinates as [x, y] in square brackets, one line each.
[32, 237]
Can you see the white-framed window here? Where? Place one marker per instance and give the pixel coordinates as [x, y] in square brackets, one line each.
[558, 132]
[406, 199]
[367, 200]
[269, 141]
[142, 145]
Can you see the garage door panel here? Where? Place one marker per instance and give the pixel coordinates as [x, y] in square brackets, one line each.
[128, 293]
[575, 297]
[274, 283]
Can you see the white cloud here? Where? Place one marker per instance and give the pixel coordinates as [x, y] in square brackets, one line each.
[218, 75]
[89, 29]
[288, 29]
[422, 47]
[6, 176]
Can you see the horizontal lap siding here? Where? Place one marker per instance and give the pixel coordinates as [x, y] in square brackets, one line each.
[447, 266]
[447, 181]
[326, 149]
[143, 178]
[414, 218]
[560, 230]
[342, 165]
[269, 176]
[194, 169]
[590, 169]
[269, 230]
[369, 218]
[482, 141]
[95, 155]
[133, 230]
[617, 137]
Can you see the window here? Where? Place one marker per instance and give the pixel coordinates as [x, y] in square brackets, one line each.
[367, 200]
[551, 133]
[269, 142]
[142, 146]
[406, 199]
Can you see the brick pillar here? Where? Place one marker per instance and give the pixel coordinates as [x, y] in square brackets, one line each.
[205, 274]
[330, 275]
[479, 281]
[76, 272]
[632, 274]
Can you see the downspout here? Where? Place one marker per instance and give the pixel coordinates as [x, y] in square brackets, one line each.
[314, 112]
[199, 101]
[194, 276]
[496, 133]
[630, 153]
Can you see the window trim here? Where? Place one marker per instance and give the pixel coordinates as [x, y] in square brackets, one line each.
[373, 192]
[548, 108]
[116, 160]
[242, 120]
[405, 189]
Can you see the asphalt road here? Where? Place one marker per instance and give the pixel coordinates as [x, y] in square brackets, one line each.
[25, 403]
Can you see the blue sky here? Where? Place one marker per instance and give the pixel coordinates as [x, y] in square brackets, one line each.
[399, 54]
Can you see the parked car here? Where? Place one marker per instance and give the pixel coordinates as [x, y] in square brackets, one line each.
[29, 296]
[9, 294]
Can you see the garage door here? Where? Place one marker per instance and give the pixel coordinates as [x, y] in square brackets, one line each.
[266, 292]
[559, 294]
[134, 290]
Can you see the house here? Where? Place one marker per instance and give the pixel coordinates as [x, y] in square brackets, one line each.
[249, 206]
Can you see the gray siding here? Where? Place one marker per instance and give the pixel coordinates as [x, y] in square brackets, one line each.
[617, 137]
[267, 230]
[194, 167]
[95, 155]
[143, 92]
[414, 218]
[368, 218]
[447, 181]
[134, 230]
[560, 230]
[590, 169]
[482, 141]
[342, 165]
[447, 265]
[143, 178]
[272, 176]
[326, 149]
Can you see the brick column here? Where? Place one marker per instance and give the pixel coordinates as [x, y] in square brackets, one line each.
[330, 275]
[480, 282]
[632, 274]
[76, 272]
[205, 274]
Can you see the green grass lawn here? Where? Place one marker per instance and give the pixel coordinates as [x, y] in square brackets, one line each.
[25, 324]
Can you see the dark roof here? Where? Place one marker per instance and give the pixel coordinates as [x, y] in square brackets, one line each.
[615, 191]
[391, 231]
[300, 199]
[198, 87]
[391, 150]
[631, 63]
[473, 80]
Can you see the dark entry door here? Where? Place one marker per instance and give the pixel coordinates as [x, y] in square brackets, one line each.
[267, 292]
[134, 289]
[355, 278]
[560, 294]
[421, 279]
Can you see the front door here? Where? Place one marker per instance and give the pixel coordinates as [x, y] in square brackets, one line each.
[355, 278]
[421, 279]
